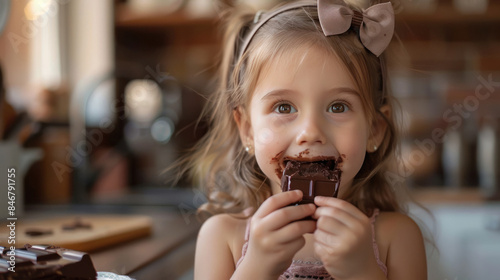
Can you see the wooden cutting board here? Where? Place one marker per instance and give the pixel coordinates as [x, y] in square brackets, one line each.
[81, 233]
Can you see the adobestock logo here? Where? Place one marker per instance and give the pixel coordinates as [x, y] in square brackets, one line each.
[454, 118]
[38, 14]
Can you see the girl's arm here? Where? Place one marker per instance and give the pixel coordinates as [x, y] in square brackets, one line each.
[276, 234]
[214, 259]
[406, 258]
[343, 241]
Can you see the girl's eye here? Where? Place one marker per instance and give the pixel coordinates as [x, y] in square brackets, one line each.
[285, 109]
[338, 108]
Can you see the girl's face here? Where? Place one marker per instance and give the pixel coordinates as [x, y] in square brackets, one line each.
[306, 106]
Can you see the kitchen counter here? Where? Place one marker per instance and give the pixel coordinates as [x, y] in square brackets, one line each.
[462, 232]
[462, 239]
[445, 195]
[167, 253]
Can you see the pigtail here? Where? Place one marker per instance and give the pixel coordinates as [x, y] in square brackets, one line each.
[218, 163]
[236, 23]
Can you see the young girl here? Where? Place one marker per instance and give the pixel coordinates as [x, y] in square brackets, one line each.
[305, 81]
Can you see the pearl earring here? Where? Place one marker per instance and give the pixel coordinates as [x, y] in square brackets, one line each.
[375, 148]
[248, 147]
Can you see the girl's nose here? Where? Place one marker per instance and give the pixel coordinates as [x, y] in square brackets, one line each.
[311, 132]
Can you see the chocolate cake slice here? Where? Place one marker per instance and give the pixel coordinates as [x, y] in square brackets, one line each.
[318, 178]
[45, 262]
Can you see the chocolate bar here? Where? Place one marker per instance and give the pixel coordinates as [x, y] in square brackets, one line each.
[45, 262]
[319, 178]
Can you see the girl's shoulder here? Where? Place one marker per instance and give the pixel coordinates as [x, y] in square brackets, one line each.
[221, 222]
[226, 230]
[391, 217]
[397, 234]
[394, 223]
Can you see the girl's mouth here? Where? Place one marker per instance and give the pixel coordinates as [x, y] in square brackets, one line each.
[310, 168]
[310, 165]
[328, 163]
[331, 162]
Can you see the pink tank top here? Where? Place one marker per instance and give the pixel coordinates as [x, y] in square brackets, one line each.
[304, 269]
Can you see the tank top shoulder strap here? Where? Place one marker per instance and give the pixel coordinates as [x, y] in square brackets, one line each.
[247, 230]
[245, 245]
[380, 263]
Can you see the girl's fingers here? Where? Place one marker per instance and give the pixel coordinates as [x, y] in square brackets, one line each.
[323, 250]
[278, 201]
[295, 245]
[329, 231]
[340, 207]
[330, 225]
[325, 238]
[286, 215]
[334, 213]
[295, 230]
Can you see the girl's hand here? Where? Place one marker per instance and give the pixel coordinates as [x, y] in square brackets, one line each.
[343, 240]
[276, 235]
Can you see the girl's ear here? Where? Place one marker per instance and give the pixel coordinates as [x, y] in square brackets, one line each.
[378, 129]
[244, 127]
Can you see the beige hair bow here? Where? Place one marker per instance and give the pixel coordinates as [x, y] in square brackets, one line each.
[376, 24]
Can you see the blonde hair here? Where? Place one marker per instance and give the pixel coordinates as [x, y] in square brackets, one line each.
[218, 162]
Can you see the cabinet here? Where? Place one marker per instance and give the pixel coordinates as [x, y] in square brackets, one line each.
[176, 50]
[439, 61]
[465, 242]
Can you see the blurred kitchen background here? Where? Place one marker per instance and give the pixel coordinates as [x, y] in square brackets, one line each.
[100, 96]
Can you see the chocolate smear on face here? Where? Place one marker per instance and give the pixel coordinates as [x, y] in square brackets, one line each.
[276, 159]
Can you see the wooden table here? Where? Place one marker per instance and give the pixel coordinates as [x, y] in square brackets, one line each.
[171, 234]
[166, 254]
